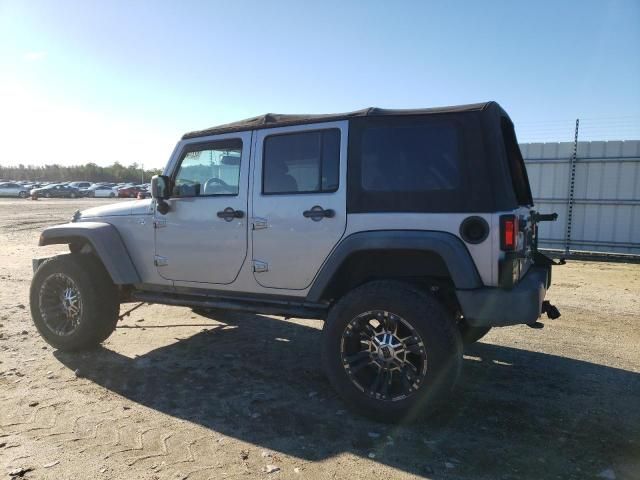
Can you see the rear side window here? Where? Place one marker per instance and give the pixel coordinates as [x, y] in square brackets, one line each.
[413, 158]
[302, 162]
[418, 164]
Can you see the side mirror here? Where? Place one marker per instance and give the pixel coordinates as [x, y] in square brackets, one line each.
[161, 190]
[160, 187]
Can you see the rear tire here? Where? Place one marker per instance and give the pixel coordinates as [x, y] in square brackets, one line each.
[74, 303]
[470, 334]
[418, 351]
[22, 194]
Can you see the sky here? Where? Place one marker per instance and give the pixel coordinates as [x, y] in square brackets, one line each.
[123, 80]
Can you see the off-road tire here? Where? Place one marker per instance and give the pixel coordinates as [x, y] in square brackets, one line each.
[100, 301]
[428, 317]
[470, 334]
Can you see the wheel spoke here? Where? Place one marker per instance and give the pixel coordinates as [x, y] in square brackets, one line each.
[387, 383]
[378, 381]
[359, 365]
[357, 356]
[391, 324]
[367, 331]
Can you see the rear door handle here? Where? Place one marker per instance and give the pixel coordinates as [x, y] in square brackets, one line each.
[229, 214]
[317, 213]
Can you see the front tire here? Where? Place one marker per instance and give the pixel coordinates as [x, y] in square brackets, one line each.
[391, 351]
[74, 303]
[22, 194]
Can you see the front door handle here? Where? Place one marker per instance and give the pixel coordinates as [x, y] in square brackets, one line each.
[229, 214]
[317, 213]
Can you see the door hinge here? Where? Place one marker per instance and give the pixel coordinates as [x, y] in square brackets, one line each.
[259, 223]
[160, 261]
[259, 266]
[159, 223]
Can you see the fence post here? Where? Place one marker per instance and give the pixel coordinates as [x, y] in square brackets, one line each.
[572, 180]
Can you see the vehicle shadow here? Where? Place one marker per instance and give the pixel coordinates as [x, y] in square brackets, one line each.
[515, 414]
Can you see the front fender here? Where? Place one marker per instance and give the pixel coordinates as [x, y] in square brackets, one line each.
[106, 243]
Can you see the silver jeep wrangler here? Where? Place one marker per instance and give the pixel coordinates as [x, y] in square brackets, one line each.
[408, 232]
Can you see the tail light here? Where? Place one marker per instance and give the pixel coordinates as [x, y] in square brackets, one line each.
[509, 266]
[509, 229]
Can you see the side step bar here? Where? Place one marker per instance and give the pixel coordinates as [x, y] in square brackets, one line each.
[281, 308]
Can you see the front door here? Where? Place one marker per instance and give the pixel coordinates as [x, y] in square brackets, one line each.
[203, 237]
[299, 201]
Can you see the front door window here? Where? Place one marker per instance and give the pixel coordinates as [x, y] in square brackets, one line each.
[209, 170]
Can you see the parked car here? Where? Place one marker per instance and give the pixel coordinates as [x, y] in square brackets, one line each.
[101, 191]
[407, 232]
[56, 191]
[12, 189]
[82, 186]
[130, 191]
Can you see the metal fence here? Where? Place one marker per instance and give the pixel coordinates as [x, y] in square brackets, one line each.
[595, 189]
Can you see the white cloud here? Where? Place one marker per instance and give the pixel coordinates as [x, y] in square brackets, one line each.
[34, 56]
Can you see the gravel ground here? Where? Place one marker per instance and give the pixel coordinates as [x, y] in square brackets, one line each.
[175, 395]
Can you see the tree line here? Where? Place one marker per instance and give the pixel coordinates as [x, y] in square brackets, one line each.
[89, 172]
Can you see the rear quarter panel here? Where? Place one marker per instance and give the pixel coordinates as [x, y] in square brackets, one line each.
[483, 254]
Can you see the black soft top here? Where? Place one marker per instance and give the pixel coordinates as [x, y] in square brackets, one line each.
[270, 120]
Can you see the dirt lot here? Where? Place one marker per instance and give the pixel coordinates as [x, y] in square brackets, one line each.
[176, 395]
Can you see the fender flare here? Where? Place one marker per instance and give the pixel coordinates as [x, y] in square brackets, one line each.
[449, 247]
[106, 243]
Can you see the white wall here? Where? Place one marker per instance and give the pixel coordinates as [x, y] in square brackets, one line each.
[606, 200]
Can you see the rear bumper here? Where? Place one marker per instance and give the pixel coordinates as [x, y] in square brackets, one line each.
[497, 307]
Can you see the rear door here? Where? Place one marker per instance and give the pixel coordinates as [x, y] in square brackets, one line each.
[298, 201]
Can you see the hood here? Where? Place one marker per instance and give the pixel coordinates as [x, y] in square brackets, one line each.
[132, 207]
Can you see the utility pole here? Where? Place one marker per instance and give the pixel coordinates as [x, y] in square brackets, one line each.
[142, 173]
